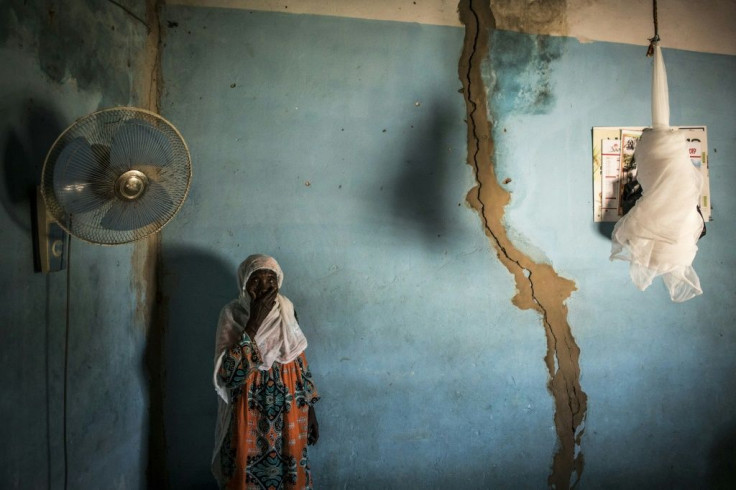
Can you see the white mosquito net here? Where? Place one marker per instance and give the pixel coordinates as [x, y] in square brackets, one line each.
[658, 235]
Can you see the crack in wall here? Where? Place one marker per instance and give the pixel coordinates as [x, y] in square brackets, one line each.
[538, 286]
[130, 13]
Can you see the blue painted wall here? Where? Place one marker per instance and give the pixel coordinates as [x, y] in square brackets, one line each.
[338, 146]
[59, 63]
[659, 375]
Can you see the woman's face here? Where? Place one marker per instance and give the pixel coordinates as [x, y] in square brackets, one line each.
[261, 283]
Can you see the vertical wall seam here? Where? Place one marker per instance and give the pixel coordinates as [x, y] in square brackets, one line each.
[147, 277]
[539, 287]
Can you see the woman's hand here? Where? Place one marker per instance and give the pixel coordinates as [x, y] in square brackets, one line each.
[312, 428]
[261, 305]
[262, 287]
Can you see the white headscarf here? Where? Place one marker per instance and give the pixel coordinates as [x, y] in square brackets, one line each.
[279, 338]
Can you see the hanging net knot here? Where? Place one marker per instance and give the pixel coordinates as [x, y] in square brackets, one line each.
[653, 41]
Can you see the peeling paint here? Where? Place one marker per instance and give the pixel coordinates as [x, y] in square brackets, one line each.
[522, 69]
[539, 287]
[535, 16]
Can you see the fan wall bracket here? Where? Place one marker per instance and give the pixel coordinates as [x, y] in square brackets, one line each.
[49, 241]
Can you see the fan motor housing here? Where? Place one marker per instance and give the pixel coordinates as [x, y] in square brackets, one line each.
[131, 185]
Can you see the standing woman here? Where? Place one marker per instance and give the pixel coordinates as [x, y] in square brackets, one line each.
[266, 408]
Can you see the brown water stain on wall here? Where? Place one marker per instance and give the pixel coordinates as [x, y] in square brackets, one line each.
[146, 94]
[531, 17]
[538, 286]
[145, 261]
[89, 43]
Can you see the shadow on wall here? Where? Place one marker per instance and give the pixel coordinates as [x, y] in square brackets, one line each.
[32, 129]
[722, 474]
[605, 228]
[195, 285]
[421, 198]
[23, 157]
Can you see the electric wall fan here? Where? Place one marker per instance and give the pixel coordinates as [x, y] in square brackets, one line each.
[116, 175]
[112, 177]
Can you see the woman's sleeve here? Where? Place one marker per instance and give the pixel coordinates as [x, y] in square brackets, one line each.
[238, 362]
[306, 390]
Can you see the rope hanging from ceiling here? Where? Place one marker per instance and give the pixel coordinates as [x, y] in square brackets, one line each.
[654, 40]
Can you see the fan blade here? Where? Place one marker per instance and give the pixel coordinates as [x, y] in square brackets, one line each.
[157, 205]
[154, 207]
[78, 178]
[138, 143]
[116, 217]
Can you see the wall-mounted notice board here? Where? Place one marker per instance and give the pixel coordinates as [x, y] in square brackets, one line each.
[614, 165]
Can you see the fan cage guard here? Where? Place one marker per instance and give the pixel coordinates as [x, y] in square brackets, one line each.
[134, 219]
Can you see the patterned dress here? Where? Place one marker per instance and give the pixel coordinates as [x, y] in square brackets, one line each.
[265, 447]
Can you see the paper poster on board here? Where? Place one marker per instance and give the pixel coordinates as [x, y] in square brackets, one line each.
[614, 165]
